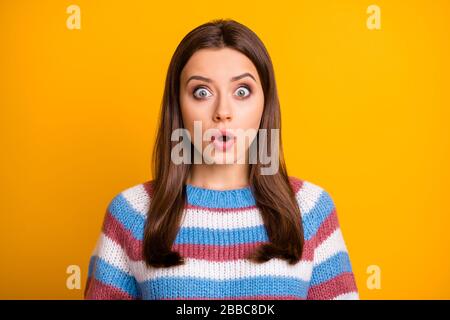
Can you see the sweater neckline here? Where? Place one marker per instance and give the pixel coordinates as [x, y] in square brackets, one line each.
[213, 198]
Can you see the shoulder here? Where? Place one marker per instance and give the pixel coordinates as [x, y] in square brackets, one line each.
[310, 195]
[128, 208]
[135, 197]
[315, 202]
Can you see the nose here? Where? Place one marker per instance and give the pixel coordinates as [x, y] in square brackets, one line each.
[222, 112]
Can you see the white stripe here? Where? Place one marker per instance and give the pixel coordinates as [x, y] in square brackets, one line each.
[111, 252]
[353, 295]
[138, 198]
[224, 270]
[329, 247]
[222, 220]
[307, 196]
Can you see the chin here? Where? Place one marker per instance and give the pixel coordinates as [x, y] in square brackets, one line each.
[222, 158]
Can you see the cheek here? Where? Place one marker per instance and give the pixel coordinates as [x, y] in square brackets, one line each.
[192, 110]
[185, 109]
[188, 113]
[250, 116]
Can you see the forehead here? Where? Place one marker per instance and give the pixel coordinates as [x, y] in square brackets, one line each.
[218, 64]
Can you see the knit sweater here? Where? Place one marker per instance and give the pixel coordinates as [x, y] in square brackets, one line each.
[218, 230]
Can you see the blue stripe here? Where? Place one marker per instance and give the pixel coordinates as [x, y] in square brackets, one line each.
[191, 287]
[110, 275]
[317, 215]
[196, 235]
[211, 198]
[131, 219]
[91, 265]
[330, 268]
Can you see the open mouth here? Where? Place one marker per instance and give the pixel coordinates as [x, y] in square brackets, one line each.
[223, 140]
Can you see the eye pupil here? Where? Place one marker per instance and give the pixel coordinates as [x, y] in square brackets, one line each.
[201, 93]
[242, 92]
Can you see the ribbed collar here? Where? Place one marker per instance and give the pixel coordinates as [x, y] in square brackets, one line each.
[211, 198]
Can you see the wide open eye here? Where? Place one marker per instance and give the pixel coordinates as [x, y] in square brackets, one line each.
[242, 92]
[201, 93]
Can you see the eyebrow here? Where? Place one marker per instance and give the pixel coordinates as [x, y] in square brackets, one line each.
[247, 74]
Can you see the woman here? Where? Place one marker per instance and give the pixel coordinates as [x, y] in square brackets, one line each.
[214, 223]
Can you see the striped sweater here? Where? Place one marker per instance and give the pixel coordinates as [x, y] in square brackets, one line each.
[219, 228]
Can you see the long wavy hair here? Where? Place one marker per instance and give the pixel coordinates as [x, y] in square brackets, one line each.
[273, 194]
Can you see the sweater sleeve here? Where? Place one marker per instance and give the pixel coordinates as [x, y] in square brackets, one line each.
[109, 274]
[332, 276]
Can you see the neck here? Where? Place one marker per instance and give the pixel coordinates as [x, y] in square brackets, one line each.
[219, 176]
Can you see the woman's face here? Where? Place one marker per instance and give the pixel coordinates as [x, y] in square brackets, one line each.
[221, 89]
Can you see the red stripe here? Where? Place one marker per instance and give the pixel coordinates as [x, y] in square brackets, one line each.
[308, 251]
[229, 252]
[148, 186]
[97, 290]
[343, 283]
[117, 232]
[328, 226]
[215, 252]
[296, 183]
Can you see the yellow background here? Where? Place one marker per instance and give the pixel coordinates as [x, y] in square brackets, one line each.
[365, 115]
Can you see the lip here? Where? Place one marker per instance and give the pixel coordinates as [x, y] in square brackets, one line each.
[221, 145]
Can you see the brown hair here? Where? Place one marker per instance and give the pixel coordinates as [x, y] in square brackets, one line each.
[273, 194]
